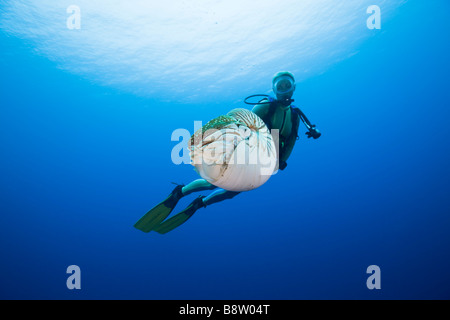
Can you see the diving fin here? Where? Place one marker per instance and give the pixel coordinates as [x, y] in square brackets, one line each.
[161, 211]
[181, 217]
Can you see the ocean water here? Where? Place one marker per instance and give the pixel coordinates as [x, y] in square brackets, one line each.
[86, 118]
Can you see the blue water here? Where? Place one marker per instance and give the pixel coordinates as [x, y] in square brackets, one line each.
[81, 162]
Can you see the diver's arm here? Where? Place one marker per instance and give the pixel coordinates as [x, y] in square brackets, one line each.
[290, 143]
[287, 150]
[286, 154]
[312, 130]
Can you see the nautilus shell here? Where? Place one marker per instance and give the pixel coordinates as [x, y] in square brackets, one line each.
[235, 152]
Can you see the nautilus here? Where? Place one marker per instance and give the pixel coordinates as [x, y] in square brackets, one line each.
[235, 151]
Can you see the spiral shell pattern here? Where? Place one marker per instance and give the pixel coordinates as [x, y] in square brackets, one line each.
[235, 152]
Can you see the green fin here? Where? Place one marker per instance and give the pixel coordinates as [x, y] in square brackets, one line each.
[154, 217]
[181, 217]
[161, 211]
[172, 223]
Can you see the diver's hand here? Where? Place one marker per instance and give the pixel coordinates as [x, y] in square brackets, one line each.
[313, 132]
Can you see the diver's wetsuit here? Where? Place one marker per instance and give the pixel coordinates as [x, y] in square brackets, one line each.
[282, 118]
[276, 117]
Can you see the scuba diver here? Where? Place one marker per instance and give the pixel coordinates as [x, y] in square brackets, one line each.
[277, 114]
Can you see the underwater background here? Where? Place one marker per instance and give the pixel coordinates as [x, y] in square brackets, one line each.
[86, 118]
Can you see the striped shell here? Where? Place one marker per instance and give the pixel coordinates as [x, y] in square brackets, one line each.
[235, 152]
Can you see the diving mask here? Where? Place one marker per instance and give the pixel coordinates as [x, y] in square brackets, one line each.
[283, 85]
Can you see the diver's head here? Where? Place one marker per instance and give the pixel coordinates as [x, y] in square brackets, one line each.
[283, 85]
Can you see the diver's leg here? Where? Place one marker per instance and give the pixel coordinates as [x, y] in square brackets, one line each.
[180, 217]
[219, 195]
[197, 185]
[162, 210]
[183, 216]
